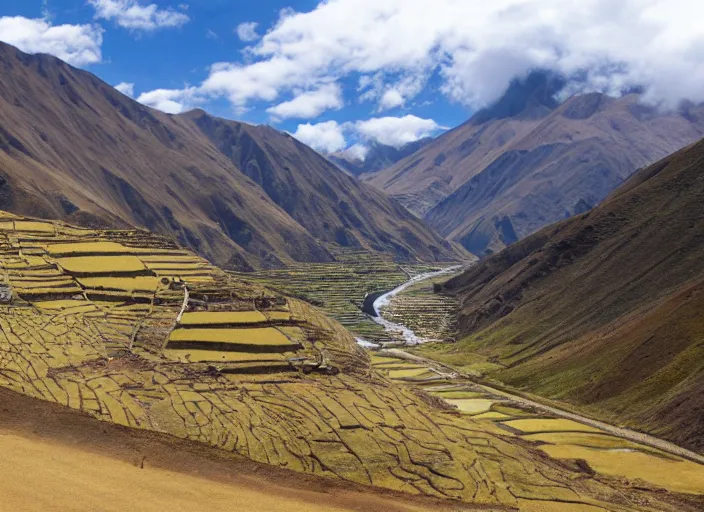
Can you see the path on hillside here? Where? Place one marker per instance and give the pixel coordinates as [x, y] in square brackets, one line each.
[624, 433]
[412, 339]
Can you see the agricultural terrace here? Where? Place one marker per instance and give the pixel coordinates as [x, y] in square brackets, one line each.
[340, 288]
[190, 354]
[429, 315]
[560, 438]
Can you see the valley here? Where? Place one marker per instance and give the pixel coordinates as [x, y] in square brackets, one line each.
[365, 258]
[129, 329]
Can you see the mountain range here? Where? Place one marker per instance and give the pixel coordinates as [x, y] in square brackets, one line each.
[604, 310]
[74, 148]
[529, 161]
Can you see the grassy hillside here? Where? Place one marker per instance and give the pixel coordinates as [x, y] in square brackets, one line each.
[130, 329]
[604, 310]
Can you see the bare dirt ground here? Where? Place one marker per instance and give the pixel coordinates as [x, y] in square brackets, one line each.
[56, 459]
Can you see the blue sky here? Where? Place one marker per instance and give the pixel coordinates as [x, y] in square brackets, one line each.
[344, 73]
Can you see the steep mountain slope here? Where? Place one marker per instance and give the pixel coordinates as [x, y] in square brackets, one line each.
[378, 157]
[605, 310]
[528, 162]
[75, 148]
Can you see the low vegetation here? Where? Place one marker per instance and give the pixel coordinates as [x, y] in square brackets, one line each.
[317, 407]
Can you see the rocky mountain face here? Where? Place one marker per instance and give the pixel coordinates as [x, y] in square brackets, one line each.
[604, 310]
[74, 148]
[378, 157]
[529, 161]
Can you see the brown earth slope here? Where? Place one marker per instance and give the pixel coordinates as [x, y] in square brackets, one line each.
[528, 161]
[605, 310]
[74, 148]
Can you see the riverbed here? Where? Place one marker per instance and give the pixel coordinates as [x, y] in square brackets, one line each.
[399, 330]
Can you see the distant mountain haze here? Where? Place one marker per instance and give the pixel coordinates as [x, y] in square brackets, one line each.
[528, 161]
[74, 148]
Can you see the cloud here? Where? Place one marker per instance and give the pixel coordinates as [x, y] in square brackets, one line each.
[247, 31]
[170, 101]
[396, 131]
[356, 152]
[76, 44]
[391, 99]
[331, 136]
[310, 104]
[131, 14]
[475, 48]
[126, 88]
[326, 137]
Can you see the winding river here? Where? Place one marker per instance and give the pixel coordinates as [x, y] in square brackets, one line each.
[410, 338]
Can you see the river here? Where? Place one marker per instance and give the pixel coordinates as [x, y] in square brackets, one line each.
[409, 337]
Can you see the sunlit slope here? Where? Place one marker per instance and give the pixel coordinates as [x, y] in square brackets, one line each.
[605, 310]
[74, 148]
[199, 355]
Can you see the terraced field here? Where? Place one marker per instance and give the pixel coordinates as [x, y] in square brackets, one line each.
[599, 451]
[429, 315]
[340, 288]
[201, 355]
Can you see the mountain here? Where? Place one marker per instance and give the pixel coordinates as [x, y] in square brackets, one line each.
[74, 148]
[605, 310]
[528, 161]
[378, 157]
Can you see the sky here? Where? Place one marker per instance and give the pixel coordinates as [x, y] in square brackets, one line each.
[342, 74]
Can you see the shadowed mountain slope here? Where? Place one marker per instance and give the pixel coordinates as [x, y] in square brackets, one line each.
[527, 161]
[605, 310]
[74, 148]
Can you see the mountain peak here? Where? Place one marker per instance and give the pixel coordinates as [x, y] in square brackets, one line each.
[531, 97]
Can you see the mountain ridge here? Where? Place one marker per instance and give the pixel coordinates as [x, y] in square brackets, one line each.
[74, 148]
[497, 179]
[603, 310]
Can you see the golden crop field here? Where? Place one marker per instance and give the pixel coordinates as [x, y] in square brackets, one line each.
[318, 406]
[101, 264]
[223, 317]
[247, 336]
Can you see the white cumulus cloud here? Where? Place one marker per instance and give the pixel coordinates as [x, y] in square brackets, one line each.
[170, 101]
[396, 131]
[131, 14]
[247, 31]
[475, 47]
[310, 104]
[326, 137]
[126, 88]
[76, 44]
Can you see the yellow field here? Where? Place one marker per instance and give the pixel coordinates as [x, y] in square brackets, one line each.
[549, 425]
[678, 476]
[140, 283]
[88, 248]
[101, 264]
[227, 317]
[41, 227]
[198, 356]
[582, 439]
[472, 406]
[61, 304]
[408, 373]
[255, 336]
